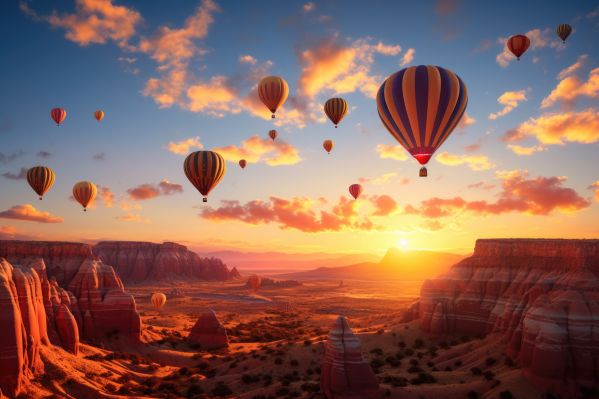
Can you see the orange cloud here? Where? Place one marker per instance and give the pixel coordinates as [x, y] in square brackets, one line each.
[106, 196]
[474, 162]
[510, 100]
[572, 69]
[131, 217]
[536, 196]
[309, 7]
[29, 213]
[247, 59]
[214, 97]
[94, 21]
[396, 152]
[571, 88]
[183, 147]
[257, 149]
[559, 128]
[523, 150]
[8, 231]
[407, 57]
[384, 205]
[595, 187]
[379, 180]
[149, 191]
[482, 185]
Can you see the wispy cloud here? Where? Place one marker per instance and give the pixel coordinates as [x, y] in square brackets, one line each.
[510, 100]
[257, 149]
[571, 88]
[572, 69]
[183, 147]
[8, 158]
[21, 175]
[149, 191]
[44, 154]
[474, 162]
[408, 57]
[524, 150]
[396, 152]
[99, 156]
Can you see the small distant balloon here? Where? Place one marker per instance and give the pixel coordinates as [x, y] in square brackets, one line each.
[335, 108]
[273, 134]
[328, 145]
[518, 44]
[355, 190]
[242, 163]
[273, 91]
[158, 299]
[85, 192]
[99, 115]
[58, 115]
[563, 31]
[204, 169]
[41, 179]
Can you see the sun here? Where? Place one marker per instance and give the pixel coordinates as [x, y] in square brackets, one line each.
[403, 243]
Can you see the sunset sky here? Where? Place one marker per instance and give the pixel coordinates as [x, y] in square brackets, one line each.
[178, 76]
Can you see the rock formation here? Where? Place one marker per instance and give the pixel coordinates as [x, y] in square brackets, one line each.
[136, 261]
[345, 374]
[272, 283]
[542, 296]
[208, 332]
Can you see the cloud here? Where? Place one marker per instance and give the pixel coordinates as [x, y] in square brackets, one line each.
[132, 217]
[523, 150]
[407, 57]
[183, 147]
[93, 22]
[149, 191]
[510, 100]
[446, 7]
[572, 69]
[559, 128]
[595, 187]
[482, 185]
[257, 149]
[466, 121]
[7, 232]
[382, 179]
[296, 213]
[8, 158]
[309, 7]
[538, 39]
[22, 175]
[532, 196]
[99, 156]
[106, 196]
[474, 162]
[247, 59]
[384, 205]
[28, 213]
[44, 154]
[571, 88]
[214, 97]
[396, 152]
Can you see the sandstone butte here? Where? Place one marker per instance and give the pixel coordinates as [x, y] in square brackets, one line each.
[345, 374]
[208, 332]
[541, 297]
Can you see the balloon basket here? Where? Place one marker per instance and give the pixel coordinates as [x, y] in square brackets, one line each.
[423, 172]
[204, 199]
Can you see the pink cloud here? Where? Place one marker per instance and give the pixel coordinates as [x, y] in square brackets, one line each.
[28, 212]
[258, 149]
[384, 205]
[510, 100]
[183, 147]
[149, 191]
[571, 88]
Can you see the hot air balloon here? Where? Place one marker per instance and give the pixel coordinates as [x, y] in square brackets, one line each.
[327, 145]
[158, 299]
[204, 169]
[420, 106]
[273, 92]
[335, 108]
[273, 134]
[41, 179]
[563, 31]
[99, 115]
[518, 45]
[58, 115]
[242, 163]
[85, 192]
[254, 282]
[355, 190]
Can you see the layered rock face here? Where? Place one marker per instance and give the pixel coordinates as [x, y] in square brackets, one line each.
[136, 261]
[266, 282]
[208, 332]
[345, 374]
[541, 295]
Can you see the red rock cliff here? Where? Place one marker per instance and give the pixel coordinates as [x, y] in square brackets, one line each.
[541, 295]
[136, 261]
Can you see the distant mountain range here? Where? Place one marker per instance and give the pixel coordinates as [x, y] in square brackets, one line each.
[395, 265]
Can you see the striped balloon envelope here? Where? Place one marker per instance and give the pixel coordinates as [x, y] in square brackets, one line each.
[563, 31]
[335, 108]
[273, 92]
[204, 169]
[41, 179]
[420, 106]
[518, 44]
[355, 190]
[58, 115]
[85, 192]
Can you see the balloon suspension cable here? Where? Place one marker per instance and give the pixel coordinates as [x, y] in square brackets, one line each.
[84, 209]
[205, 199]
[273, 116]
[40, 197]
[335, 126]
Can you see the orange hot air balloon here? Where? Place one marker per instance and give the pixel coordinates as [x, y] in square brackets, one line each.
[273, 134]
[58, 115]
[242, 163]
[518, 44]
[273, 92]
[85, 192]
[563, 31]
[327, 145]
[41, 179]
[99, 115]
[355, 190]
[335, 108]
[158, 299]
[254, 282]
[204, 169]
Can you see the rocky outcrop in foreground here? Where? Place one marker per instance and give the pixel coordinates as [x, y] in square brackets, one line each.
[136, 261]
[345, 374]
[208, 332]
[541, 296]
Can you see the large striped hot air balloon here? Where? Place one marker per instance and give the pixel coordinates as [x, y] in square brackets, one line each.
[563, 31]
[273, 92]
[99, 115]
[58, 115]
[242, 163]
[335, 108]
[85, 192]
[518, 44]
[273, 134]
[420, 106]
[204, 169]
[41, 179]
[327, 145]
[158, 299]
[355, 190]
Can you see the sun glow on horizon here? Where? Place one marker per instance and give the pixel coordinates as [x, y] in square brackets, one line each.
[403, 244]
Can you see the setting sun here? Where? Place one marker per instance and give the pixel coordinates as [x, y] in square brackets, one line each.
[403, 243]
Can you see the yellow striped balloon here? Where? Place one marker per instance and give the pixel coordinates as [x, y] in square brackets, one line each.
[563, 31]
[99, 115]
[41, 179]
[85, 192]
[204, 169]
[158, 299]
[273, 92]
[335, 108]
